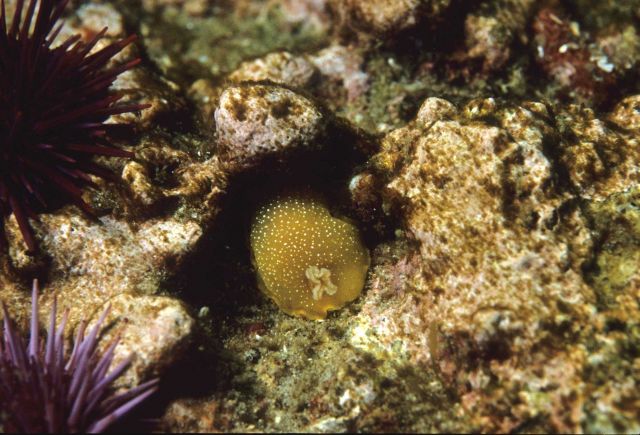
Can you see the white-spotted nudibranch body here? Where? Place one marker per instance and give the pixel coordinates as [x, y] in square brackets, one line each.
[308, 262]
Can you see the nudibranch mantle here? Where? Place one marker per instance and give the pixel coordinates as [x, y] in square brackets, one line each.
[307, 261]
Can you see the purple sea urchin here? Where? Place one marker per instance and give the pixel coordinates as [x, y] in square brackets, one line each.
[54, 102]
[44, 388]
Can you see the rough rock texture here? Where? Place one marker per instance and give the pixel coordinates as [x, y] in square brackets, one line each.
[124, 255]
[343, 65]
[490, 32]
[89, 264]
[506, 297]
[581, 66]
[386, 17]
[257, 122]
[601, 155]
[496, 295]
[504, 232]
[154, 330]
[308, 377]
[282, 68]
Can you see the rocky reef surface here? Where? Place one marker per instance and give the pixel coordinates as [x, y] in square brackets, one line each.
[488, 150]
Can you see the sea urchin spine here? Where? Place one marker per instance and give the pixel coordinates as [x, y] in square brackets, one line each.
[54, 104]
[44, 388]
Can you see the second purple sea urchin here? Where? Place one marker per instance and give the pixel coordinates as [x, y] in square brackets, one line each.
[46, 388]
[54, 104]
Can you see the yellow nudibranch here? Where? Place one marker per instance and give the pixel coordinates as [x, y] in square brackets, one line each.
[307, 261]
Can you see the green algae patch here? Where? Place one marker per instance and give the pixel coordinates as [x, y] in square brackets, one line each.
[186, 47]
[616, 225]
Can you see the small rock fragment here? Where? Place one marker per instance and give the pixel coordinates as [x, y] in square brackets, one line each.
[137, 177]
[344, 65]
[154, 331]
[255, 122]
[600, 160]
[96, 261]
[491, 31]
[626, 114]
[279, 67]
[386, 17]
